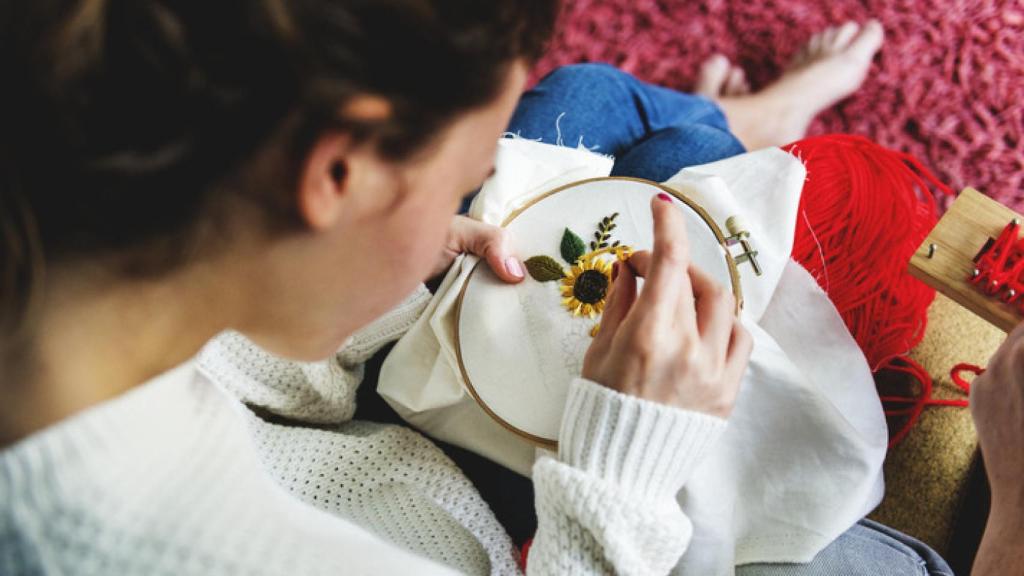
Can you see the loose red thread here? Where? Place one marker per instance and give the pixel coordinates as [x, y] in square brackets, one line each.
[923, 398]
[863, 213]
[959, 380]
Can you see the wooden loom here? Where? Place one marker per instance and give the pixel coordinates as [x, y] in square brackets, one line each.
[975, 257]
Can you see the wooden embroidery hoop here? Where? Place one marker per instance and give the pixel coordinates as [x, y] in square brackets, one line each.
[704, 216]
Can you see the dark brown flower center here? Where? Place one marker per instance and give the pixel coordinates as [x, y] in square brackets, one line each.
[590, 287]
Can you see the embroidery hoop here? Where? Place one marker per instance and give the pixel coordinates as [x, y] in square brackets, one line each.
[702, 214]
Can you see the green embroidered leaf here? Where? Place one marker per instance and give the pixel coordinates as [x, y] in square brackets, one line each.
[572, 247]
[544, 269]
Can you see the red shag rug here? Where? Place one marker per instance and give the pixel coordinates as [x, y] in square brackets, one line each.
[947, 87]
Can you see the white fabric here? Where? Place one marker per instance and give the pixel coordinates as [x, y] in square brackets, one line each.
[801, 459]
[520, 346]
[178, 477]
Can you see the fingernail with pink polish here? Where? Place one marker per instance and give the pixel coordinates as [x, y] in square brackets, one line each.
[514, 267]
[664, 197]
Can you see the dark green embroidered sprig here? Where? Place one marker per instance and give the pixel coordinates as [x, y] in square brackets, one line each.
[572, 248]
[604, 232]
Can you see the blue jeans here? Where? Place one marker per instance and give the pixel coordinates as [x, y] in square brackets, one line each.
[869, 548]
[653, 132]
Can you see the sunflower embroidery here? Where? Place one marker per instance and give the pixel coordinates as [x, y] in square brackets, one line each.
[584, 285]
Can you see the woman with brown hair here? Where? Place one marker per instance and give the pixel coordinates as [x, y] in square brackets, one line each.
[287, 171]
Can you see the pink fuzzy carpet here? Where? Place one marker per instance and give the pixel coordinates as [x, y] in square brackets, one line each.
[947, 87]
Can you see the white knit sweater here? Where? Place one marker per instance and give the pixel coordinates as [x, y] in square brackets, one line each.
[178, 477]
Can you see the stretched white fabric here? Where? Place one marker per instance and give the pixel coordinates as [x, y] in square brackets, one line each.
[800, 461]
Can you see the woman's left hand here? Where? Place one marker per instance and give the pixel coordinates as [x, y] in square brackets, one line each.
[466, 235]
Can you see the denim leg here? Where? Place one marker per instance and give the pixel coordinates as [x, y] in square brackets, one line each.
[867, 549]
[606, 109]
[663, 154]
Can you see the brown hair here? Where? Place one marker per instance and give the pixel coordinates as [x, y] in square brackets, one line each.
[123, 118]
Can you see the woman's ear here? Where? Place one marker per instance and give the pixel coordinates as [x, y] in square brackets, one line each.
[324, 181]
[326, 177]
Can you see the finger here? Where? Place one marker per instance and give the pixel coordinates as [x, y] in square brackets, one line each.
[639, 263]
[488, 242]
[715, 308]
[737, 358]
[667, 285]
[620, 302]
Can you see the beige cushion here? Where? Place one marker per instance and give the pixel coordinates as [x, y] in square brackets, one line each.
[926, 475]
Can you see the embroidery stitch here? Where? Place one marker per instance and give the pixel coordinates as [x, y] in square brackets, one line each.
[604, 231]
[572, 247]
[585, 285]
[544, 269]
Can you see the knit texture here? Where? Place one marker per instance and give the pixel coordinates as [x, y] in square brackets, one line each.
[388, 479]
[164, 481]
[178, 477]
[621, 461]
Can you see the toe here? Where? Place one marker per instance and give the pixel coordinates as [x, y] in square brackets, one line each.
[814, 46]
[828, 39]
[868, 41]
[713, 76]
[844, 35]
[736, 85]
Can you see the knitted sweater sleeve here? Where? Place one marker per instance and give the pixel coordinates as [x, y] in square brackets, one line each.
[317, 392]
[607, 504]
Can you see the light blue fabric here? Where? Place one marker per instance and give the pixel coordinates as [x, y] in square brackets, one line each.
[653, 132]
[867, 549]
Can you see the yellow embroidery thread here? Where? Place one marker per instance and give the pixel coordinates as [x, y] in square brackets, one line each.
[585, 286]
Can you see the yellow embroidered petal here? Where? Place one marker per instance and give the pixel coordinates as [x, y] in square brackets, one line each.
[591, 261]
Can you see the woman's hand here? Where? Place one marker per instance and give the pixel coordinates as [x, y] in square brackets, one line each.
[997, 404]
[679, 342]
[483, 240]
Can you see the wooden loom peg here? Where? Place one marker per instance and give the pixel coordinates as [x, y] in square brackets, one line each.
[975, 257]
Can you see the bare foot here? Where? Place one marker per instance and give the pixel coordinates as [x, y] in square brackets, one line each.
[830, 67]
[719, 78]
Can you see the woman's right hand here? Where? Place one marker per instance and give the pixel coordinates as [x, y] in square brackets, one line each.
[679, 341]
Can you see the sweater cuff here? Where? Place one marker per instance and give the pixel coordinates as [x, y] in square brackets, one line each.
[645, 448]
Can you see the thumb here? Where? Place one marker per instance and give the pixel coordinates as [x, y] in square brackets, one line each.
[490, 243]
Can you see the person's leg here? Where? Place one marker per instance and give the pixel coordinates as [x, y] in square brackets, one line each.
[606, 110]
[666, 152]
[867, 549]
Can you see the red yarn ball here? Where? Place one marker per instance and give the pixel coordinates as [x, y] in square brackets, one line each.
[863, 213]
